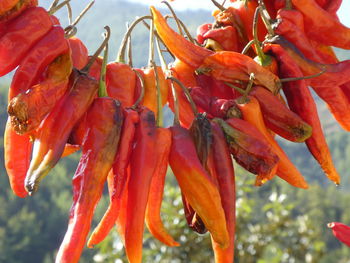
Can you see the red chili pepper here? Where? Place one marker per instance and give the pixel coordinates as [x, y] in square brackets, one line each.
[226, 181]
[179, 46]
[201, 31]
[199, 189]
[117, 178]
[322, 26]
[215, 88]
[225, 36]
[142, 166]
[301, 102]
[341, 232]
[21, 35]
[99, 148]
[80, 54]
[54, 130]
[16, 11]
[153, 219]
[95, 69]
[29, 108]
[7, 5]
[121, 82]
[279, 118]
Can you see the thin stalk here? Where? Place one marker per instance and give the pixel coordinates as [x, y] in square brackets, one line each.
[70, 32]
[140, 98]
[304, 77]
[123, 46]
[58, 7]
[176, 103]
[266, 18]
[53, 5]
[80, 16]
[98, 51]
[250, 84]
[221, 8]
[70, 13]
[187, 94]
[247, 47]
[102, 91]
[241, 91]
[159, 98]
[130, 62]
[257, 45]
[175, 17]
[161, 57]
[289, 5]
[187, 32]
[151, 46]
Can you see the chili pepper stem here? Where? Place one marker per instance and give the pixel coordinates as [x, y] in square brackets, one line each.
[80, 16]
[130, 62]
[187, 32]
[247, 47]
[57, 7]
[241, 91]
[289, 5]
[70, 13]
[102, 91]
[175, 16]
[140, 98]
[263, 58]
[98, 51]
[187, 93]
[123, 46]
[176, 102]
[266, 18]
[305, 77]
[221, 8]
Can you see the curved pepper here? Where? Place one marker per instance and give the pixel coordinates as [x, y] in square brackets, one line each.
[196, 185]
[104, 125]
[341, 232]
[153, 219]
[80, 53]
[29, 108]
[21, 35]
[117, 178]
[300, 100]
[279, 118]
[225, 36]
[251, 112]
[55, 129]
[142, 166]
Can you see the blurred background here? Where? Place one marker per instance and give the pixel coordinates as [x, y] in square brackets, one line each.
[275, 223]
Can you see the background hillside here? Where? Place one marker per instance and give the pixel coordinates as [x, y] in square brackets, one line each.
[276, 223]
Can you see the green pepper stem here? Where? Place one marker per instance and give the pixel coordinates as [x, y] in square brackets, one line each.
[257, 45]
[140, 98]
[241, 91]
[123, 46]
[176, 100]
[70, 13]
[289, 5]
[247, 47]
[102, 91]
[304, 77]
[266, 17]
[98, 51]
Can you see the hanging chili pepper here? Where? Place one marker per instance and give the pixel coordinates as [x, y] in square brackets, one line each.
[16, 11]
[215, 88]
[249, 147]
[117, 178]
[322, 26]
[80, 54]
[198, 188]
[21, 35]
[104, 125]
[201, 31]
[226, 181]
[29, 108]
[279, 118]
[251, 112]
[142, 166]
[301, 102]
[341, 232]
[225, 36]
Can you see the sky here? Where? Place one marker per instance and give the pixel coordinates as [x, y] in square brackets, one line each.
[207, 4]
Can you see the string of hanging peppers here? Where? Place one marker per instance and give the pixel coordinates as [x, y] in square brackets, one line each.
[244, 79]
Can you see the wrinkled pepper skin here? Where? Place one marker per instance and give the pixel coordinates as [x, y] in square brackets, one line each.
[279, 118]
[80, 53]
[225, 36]
[7, 5]
[142, 166]
[98, 151]
[199, 189]
[179, 46]
[226, 181]
[251, 112]
[117, 178]
[121, 82]
[16, 11]
[55, 129]
[21, 35]
[29, 108]
[153, 220]
[300, 101]
[231, 66]
[341, 232]
[322, 26]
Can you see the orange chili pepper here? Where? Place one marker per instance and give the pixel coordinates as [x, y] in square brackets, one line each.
[80, 54]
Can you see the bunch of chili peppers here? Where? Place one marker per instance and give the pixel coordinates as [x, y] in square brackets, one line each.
[244, 79]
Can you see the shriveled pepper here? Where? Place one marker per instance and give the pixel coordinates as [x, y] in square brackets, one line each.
[142, 167]
[225, 36]
[301, 102]
[60, 122]
[251, 112]
[29, 108]
[226, 181]
[16, 11]
[117, 178]
[105, 121]
[80, 55]
[21, 35]
[279, 118]
[198, 187]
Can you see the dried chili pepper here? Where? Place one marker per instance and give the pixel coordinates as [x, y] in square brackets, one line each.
[225, 36]
[201, 31]
[301, 102]
[214, 87]
[29, 108]
[7, 5]
[117, 178]
[60, 122]
[226, 181]
[322, 26]
[341, 232]
[21, 35]
[198, 188]
[142, 167]
[279, 118]
[251, 112]
[99, 148]
[80, 54]
[16, 11]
